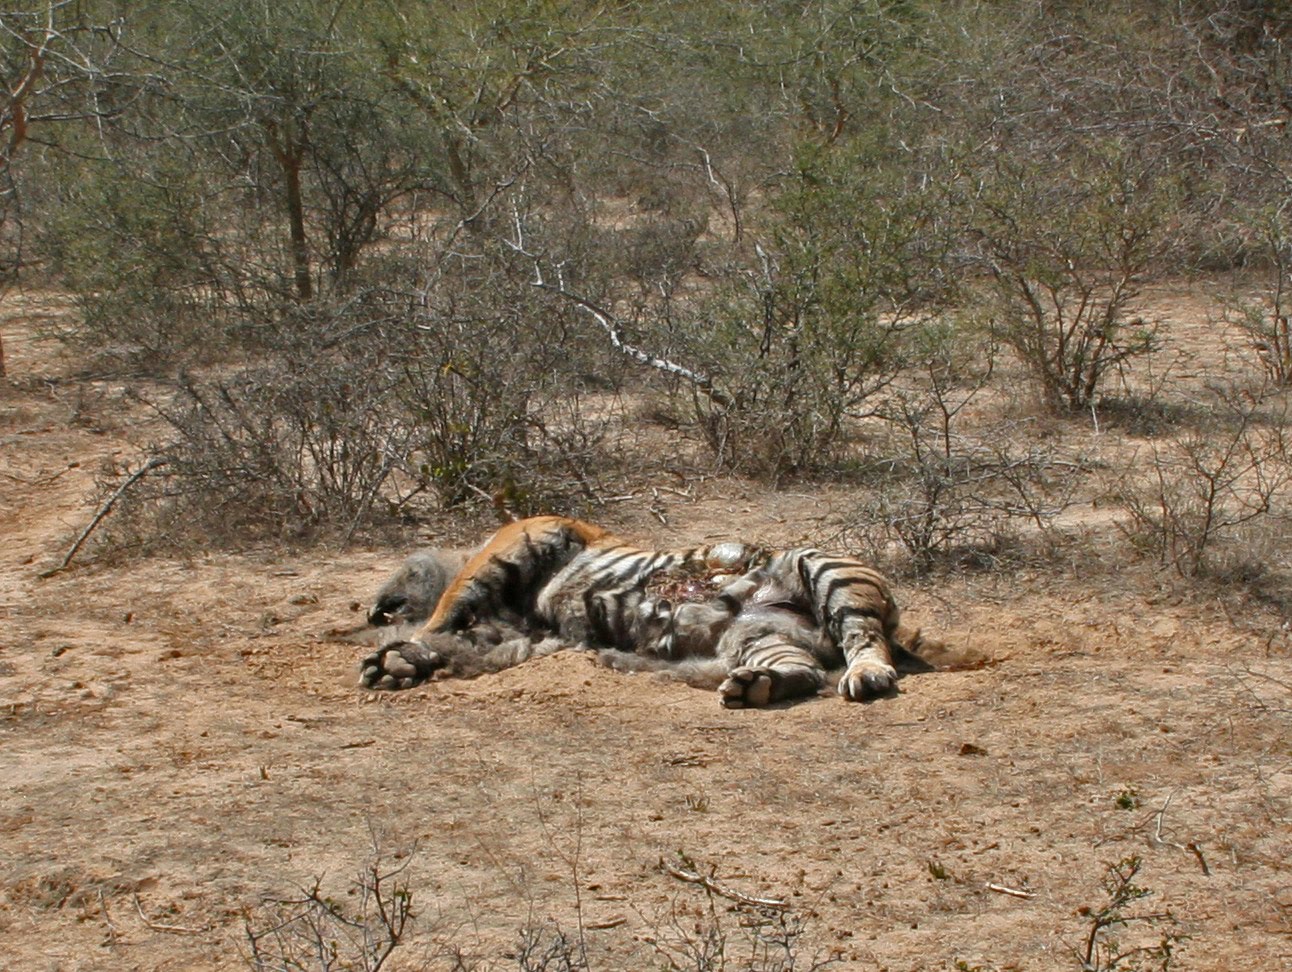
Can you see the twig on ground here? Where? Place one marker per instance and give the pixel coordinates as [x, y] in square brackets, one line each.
[43, 480]
[1012, 892]
[113, 934]
[1157, 830]
[712, 884]
[687, 493]
[1192, 846]
[154, 463]
[158, 926]
[1197, 852]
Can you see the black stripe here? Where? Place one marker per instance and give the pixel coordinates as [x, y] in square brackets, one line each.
[848, 580]
[594, 610]
[624, 573]
[819, 568]
[657, 562]
[610, 563]
[535, 555]
[805, 570]
[776, 656]
[837, 618]
[837, 564]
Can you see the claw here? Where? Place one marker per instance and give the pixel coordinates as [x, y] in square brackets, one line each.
[867, 681]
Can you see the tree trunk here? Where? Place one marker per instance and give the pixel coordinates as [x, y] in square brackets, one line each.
[296, 220]
[290, 152]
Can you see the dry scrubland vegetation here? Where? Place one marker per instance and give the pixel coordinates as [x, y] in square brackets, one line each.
[994, 294]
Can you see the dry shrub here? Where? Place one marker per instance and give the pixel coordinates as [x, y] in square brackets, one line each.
[365, 415]
[1263, 316]
[1203, 489]
[311, 930]
[278, 449]
[954, 489]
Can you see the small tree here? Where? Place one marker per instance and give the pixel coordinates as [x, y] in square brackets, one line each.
[1264, 318]
[1068, 247]
[56, 66]
[1101, 952]
[820, 320]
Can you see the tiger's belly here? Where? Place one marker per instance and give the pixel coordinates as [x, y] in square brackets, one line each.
[665, 605]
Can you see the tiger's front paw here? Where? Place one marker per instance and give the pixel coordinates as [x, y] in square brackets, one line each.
[747, 688]
[866, 680]
[399, 665]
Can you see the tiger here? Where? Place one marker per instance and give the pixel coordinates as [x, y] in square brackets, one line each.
[763, 626]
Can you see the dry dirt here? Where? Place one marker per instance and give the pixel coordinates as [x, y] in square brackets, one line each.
[182, 737]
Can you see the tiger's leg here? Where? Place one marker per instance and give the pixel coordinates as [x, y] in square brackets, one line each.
[855, 608]
[768, 667]
[404, 664]
[869, 672]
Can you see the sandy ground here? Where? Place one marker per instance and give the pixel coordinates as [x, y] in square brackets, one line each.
[182, 739]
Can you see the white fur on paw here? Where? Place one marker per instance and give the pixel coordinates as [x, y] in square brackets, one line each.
[866, 680]
[399, 666]
[746, 688]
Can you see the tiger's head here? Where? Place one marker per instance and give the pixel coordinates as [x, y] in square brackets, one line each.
[411, 593]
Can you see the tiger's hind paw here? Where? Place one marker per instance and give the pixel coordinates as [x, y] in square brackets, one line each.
[867, 680]
[399, 665]
[747, 688]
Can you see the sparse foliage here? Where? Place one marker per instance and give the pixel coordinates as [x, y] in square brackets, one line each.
[1211, 481]
[548, 948]
[462, 222]
[1101, 951]
[321, 441]
[950, 489]
[1264, 317]
[1068, 252]
[313, 931]
[762, 940]
[58, 68]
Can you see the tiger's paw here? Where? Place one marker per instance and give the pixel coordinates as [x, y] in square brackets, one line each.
[399, 665]
[866, 680]
[747, 688]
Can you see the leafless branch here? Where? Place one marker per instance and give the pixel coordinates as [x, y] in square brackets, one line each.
[104, 509]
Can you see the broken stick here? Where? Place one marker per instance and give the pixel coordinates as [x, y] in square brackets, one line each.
[713, 885]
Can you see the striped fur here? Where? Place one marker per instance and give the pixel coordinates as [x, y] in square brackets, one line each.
[765, 626]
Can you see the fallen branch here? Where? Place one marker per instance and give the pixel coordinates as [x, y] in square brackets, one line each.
[154, 463]
[712, 884]
[1157, 831]
[1197, 852]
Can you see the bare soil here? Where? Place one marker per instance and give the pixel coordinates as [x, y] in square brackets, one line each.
[182, 737]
